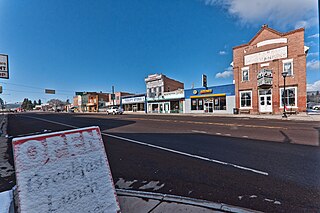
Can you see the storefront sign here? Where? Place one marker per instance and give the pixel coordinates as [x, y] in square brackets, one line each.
[264, 56]
[65, 171]
[206, 91]
[4, 66]
[133, 100]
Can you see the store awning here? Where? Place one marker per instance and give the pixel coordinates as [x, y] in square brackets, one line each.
[208, 96]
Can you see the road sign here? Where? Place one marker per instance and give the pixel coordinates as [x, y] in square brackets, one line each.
[4, 66]
[204, 80]
[50, 91]
[64, 171]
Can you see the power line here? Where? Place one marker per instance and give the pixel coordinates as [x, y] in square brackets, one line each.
[27, 86]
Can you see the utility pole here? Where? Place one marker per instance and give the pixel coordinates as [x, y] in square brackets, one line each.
[112, 95]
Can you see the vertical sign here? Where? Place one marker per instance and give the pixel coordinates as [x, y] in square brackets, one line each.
[65, 171]
[4, 66]
[204, 80]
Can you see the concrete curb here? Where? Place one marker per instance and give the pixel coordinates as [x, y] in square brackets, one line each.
[184, 200]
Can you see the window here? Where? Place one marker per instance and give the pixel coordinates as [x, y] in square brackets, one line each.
[245, 99]
[288, 66]
[219, 103]
[291, 97]
[196, 104]
[245, 74]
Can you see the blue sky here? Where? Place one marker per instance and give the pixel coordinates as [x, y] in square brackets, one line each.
[79, 45]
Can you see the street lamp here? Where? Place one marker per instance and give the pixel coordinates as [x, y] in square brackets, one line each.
[284, 75]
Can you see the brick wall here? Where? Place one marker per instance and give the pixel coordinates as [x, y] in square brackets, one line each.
[295, 51]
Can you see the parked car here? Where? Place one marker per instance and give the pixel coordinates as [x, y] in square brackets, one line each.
[115, 110]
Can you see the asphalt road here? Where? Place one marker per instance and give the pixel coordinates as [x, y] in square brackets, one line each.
[252, 163]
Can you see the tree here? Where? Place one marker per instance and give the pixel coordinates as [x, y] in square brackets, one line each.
[24, 104]
[39, 102]
[34, 103]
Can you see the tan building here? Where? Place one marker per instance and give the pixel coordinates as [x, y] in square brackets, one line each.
[90, 101]
[117, 98]
[164, 95]
[258, 67]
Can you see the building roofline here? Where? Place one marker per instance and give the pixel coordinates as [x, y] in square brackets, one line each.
[271, 30]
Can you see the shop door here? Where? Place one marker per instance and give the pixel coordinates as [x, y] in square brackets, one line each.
[265, 104]
[134, 108]
[166, 108]
[208, 107]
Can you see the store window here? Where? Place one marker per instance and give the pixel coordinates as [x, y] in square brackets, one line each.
[155, 108]
[219, 103]
[245, 99]
[196, 104]
[290, 98]
[288, 66]
[245, 74]
[174, 106]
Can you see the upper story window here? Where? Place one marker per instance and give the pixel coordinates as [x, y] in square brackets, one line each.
[245, 73]
[288, 66]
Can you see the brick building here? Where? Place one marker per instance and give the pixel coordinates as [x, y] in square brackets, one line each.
[258, 67]
[164, 95]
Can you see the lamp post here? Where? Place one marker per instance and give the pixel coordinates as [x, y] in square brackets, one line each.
[284, 75]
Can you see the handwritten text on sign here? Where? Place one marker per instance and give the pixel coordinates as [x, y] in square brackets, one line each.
[64, 172]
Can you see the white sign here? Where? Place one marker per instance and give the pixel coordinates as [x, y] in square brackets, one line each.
[133, 100]
[66, 171]
[264, 56]
[4, 66]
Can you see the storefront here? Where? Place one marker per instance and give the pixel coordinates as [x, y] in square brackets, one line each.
[169, 102]
[270, 72]
[216, 99]
[135, 103]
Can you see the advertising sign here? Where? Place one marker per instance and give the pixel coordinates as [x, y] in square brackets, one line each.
[133, 100]
[4, 66]
[65, 171]
[204, 81]
[264, 56]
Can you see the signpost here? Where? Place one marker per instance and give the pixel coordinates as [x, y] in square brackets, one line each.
[4, 66]
[65, 171]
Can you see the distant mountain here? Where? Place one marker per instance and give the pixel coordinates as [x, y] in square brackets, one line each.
[12, 106]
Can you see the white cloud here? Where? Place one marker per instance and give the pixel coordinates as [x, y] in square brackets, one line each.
[313, 64]
[314, 87]
[281, 13]
[222, 52]
[314, 36]
[225, 74]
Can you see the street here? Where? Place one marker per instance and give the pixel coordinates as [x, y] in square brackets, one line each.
[246, 162]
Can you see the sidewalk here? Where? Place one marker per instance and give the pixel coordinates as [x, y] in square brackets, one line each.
[137, 202]
[299, 117]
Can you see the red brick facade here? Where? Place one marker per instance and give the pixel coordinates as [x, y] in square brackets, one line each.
[270, 50]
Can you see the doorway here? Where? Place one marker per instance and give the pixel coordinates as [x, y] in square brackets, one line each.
[265, 100]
